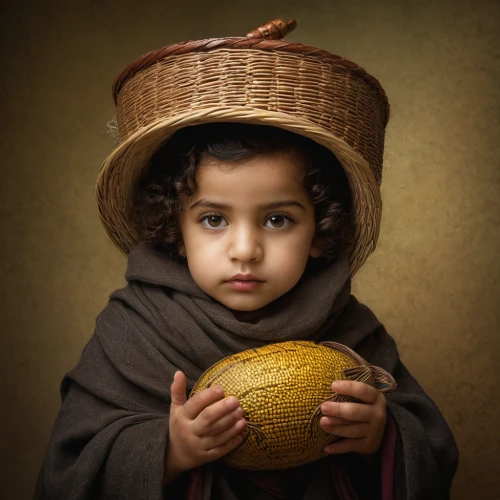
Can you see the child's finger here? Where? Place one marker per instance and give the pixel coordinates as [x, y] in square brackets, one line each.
[223, 437]
[354, 412]
[225, 448]
[349, 431]
[206, 420]
[344, 446]
[178, 389]
[202, 400]
[339, 421]
[364, 392]
[225, 422]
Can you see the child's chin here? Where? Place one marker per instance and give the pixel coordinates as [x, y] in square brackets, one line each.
[250, 309]
[242, 306]
[245, 308]
[248, 316]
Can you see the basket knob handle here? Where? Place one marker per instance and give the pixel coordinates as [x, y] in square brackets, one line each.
[273, 30]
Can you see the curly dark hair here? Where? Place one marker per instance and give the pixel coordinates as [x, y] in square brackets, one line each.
[172, 173]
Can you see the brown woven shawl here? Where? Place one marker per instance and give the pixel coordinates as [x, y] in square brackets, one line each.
[109, 439]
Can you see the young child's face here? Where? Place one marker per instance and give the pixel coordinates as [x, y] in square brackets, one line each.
[254, 220]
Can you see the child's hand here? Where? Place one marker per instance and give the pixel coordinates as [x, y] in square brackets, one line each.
[362, 423]
[202, 429]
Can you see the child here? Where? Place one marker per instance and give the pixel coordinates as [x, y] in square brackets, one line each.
[244, 225]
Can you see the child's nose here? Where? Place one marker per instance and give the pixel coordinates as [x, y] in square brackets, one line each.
[245, 245]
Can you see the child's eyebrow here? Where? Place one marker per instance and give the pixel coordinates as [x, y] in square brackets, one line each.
[220, 206]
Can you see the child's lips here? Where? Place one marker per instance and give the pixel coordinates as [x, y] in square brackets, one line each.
[244, 277]
[244, 282]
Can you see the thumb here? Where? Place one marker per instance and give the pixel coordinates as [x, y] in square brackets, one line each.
[178, 389]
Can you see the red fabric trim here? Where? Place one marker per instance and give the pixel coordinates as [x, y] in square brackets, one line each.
[343, 486]
[270, 485]
[388, 459]
[195, 485]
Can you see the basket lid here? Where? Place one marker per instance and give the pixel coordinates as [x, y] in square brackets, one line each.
[267, 37]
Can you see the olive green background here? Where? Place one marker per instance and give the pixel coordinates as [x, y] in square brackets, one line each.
[433, 280]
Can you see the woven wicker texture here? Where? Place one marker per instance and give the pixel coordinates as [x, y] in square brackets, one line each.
[253, 80]
[280, 388]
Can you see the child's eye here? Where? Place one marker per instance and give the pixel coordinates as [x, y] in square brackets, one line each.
[278, 222]
[213, 221]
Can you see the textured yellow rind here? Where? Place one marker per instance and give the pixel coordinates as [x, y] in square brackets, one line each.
[280, 387]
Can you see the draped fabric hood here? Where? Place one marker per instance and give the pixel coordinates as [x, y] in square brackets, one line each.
[320, 293]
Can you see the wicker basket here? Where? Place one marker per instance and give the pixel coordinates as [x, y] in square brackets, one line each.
[257, 79]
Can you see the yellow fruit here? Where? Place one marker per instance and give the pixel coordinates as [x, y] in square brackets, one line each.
[280, 388]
